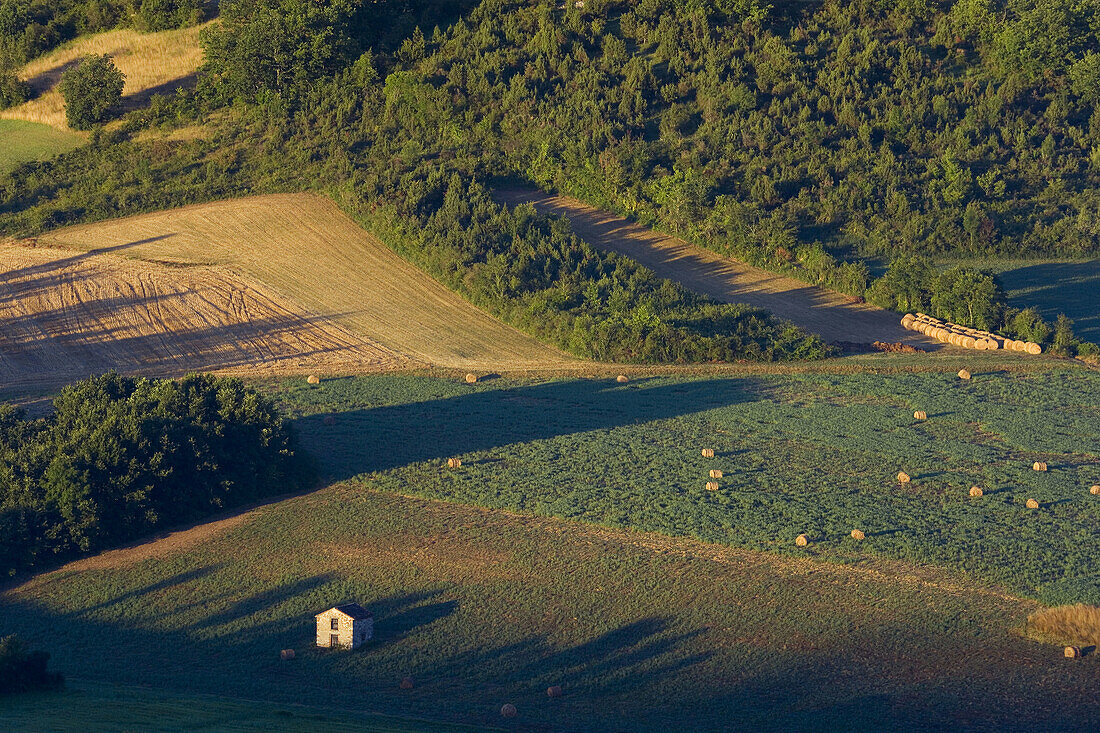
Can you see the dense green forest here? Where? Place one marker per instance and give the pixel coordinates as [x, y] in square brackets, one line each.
[120, 457]
[820, 139]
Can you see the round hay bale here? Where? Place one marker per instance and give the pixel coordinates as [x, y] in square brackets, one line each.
[920, 415]
[286, 654]
[1033, 348]
[454, 462]
[622, 379]
[406, 683]
[979, 345]
[716, 473]
[802, 540]
[903, 477]
[907, 321]
[712, 486]
[857, 534]
[1038, 466]
[1072, 652]
[313, 379]
[976, 491]
[969, 343]
[508, 711]
[963, 374]
[991, 344]
[329, 420]
[553, 691]
[1095, 490]
[471, 379]
[1032, 504]
[708, 453]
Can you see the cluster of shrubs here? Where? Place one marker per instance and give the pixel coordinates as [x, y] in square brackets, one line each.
[119, 457]
[533, 272]
[23, 670]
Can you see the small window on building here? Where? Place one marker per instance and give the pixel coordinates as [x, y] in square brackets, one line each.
[335, 624]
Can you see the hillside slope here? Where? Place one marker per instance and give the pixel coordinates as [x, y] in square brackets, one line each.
[818, 310]
[307, 251]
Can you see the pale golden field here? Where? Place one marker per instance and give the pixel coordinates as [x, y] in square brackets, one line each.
[152, 62]
[269, 283]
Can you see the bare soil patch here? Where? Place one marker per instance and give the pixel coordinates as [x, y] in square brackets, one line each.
[836, 317]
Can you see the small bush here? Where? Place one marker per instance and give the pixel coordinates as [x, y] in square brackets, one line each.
[22, 670]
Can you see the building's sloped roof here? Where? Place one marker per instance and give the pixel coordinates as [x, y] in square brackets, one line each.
[351, 609]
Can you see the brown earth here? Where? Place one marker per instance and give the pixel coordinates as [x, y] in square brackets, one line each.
[836, 317]
[279, 284]
[66, 314]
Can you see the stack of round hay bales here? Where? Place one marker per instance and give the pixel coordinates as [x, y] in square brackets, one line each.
[903, 477]
[857, 534]
[1032, 504]
[708, 453]
[716, 473]
[286, 654]
[976, 491]
[454, 462]
[802, 540]
[712, 486]
[1039, 466]
[920, 415]
[963, 374]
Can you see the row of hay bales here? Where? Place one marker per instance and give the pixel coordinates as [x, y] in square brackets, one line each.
[967, 338]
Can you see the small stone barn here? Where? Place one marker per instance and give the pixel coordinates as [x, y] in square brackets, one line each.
[345, 626]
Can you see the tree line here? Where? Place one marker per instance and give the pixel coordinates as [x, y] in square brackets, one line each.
[119, 457]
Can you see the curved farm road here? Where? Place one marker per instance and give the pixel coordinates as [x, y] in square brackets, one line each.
[822, 311]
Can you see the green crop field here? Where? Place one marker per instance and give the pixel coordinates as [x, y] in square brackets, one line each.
[919, 625]
[22, 141]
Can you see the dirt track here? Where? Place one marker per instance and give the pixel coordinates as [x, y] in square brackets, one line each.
[822, 311]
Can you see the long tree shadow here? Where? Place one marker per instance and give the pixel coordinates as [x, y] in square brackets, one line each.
[387, 437]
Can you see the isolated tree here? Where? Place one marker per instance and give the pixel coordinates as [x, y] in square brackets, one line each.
[91, 90]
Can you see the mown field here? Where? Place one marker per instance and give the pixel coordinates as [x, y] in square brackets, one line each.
[812, 453]
[84, 706]
[22, 141]
[712, 620]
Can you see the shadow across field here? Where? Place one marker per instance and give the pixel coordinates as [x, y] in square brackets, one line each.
[1072, 288]
[387, 437]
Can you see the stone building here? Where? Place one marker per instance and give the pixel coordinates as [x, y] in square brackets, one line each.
[345, 626]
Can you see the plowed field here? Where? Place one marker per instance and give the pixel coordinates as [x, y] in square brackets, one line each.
[268, 283]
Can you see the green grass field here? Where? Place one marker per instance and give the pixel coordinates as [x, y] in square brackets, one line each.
[24, 141]
[814, 453]
[95, 707]
[909, 628]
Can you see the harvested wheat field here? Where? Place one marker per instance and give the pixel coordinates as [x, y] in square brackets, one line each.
[821, 311]
[66, 314]
[306, 252]
[152, 62]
